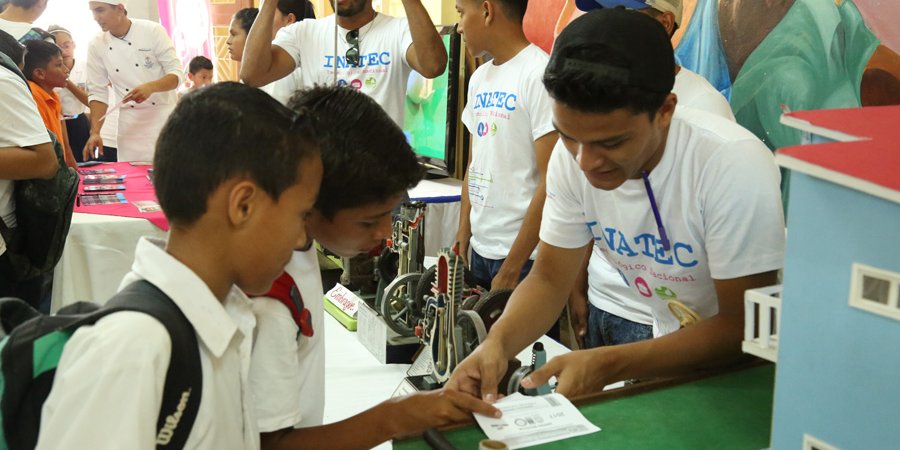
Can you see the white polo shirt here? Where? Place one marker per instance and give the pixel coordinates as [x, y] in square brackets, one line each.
[108, 386]
[287, 373]
[20, 126]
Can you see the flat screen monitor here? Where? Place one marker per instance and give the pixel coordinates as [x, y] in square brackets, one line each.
[429, 105]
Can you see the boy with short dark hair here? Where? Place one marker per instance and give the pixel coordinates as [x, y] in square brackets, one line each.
[508, 114]
[45, 71]
[236, 175]
[352, 214]
[200, 72]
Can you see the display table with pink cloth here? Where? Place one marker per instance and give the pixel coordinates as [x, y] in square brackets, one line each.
[100, 246]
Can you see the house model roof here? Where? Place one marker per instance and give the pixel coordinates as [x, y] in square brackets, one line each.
[866, 156]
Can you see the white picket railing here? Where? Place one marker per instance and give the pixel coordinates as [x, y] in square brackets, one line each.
[762, 322]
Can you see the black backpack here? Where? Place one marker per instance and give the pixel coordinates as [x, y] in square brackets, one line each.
[43, 212]
[30, 353]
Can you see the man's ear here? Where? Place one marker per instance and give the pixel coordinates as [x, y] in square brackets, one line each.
[487, 8]
[665, 112]
[243, 202]
[667, 19]
[291, 18]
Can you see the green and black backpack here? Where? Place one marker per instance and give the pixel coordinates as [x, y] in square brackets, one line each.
[31, 345]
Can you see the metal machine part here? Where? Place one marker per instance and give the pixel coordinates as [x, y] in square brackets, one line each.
[400, 309]
[399, 269]
[490, 306]
[443, 337]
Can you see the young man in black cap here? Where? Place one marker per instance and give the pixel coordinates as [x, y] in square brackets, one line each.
[684, 205]
[693, 91]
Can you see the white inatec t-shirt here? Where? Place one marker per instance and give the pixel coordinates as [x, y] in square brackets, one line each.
[695, 92]
[287, 370]
[382, 72]
[20, 126]
[506, 111]
[283, 89]
[717, 190]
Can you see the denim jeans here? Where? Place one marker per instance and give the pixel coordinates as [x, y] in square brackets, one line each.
[484, 270]
[605, 329]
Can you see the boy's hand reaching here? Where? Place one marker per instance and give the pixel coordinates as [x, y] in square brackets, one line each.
[415, 413]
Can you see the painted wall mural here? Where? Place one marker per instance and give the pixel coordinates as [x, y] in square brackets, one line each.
[768, 56]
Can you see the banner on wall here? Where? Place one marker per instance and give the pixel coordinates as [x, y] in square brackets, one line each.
[188, 24]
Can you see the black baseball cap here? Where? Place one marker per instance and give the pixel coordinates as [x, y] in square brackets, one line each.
[639, 49]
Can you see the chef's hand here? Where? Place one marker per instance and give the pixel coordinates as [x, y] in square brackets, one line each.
[139, 94]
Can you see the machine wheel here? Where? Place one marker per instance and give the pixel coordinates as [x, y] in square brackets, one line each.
[400, 311]
[472, 331]
[491, 306]
[388, 262]
[469, 302]
[513, 386]
[423, 288]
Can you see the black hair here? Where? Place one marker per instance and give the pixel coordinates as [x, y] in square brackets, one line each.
[514, 9]
[12, 48]
[365, 156]
[224, 131]
[581, 89]
[199, 63]
[246, 17]
[301, 9]
[38, 55]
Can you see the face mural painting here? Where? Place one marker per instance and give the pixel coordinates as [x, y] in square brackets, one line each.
[770, 55]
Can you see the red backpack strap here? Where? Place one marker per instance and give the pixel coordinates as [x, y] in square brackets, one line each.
[285, 290]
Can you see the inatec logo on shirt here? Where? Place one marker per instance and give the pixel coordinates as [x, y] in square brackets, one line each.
[168, 429]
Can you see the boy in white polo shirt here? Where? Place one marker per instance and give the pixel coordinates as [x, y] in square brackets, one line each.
[684, 205]
[236, 215]
[352, 214]
[508, 114]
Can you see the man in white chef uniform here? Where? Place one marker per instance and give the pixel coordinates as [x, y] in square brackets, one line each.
[137, 58]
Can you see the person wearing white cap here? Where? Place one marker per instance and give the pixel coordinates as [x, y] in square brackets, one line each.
[138, 59]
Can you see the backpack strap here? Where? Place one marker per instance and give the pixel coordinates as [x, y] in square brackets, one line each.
[183, 388]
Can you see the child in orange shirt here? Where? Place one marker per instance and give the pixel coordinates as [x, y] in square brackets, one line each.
[45, 70]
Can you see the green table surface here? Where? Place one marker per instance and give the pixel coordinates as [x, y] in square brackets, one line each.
[728, 411]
